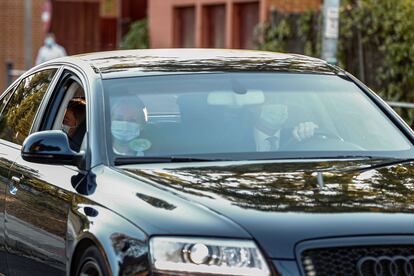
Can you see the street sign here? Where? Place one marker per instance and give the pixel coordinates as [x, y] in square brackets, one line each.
[46, 15]
[332, 23]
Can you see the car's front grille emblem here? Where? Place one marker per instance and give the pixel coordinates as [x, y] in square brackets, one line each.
[361, 260]
[386, 265]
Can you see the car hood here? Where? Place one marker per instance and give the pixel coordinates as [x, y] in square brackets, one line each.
[283, 203]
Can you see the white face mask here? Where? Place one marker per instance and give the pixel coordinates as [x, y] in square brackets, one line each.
[125, 131]
[66, 128]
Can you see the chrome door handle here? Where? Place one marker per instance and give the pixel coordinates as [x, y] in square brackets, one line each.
[12, 187]
[16, 179]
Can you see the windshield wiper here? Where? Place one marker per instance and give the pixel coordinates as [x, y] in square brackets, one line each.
[360, 157]
[333, 157]
[162, 159]
[376, 161]
[385, 159]
[391, 161]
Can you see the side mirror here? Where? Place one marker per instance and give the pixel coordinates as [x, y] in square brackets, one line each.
[50, 147]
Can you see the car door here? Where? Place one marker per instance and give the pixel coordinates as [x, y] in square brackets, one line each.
[7, 157]
[39, 197]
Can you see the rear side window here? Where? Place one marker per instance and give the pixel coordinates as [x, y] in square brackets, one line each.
[19, 113]
[6, 98]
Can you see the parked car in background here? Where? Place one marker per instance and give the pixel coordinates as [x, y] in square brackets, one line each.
[178, 162]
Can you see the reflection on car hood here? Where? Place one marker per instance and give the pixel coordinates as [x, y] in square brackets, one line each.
[280, 204]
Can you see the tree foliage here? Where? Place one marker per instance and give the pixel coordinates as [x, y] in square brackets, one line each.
[137, 37]
[377, 32]
[19, 114]
[386, 29]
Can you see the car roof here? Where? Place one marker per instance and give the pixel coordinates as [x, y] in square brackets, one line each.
[126, 63]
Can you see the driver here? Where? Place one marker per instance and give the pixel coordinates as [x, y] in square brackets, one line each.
[269, 131]
[128, 118]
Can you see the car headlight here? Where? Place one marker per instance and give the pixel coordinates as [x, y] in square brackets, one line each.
[206, 256]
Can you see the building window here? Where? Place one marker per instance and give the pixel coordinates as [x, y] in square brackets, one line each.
[214, 26]
[184, 27]
[85, 32]
[246, 18]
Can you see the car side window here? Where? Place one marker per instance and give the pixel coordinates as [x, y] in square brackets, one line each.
[66, 110]
[19, 113]
[71, 117]
[6, 98]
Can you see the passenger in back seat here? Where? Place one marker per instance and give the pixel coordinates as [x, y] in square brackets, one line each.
[74, 122]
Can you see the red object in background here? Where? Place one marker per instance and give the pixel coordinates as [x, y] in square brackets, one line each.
[214, 28]
[132, 10]
[88, 31]
[47, 15]
[184, 27]
[83, 34]
[246, 19]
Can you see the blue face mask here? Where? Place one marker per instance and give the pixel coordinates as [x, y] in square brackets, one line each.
[49, 42]
[125, 131]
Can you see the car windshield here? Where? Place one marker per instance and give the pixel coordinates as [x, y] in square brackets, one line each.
[246, 116]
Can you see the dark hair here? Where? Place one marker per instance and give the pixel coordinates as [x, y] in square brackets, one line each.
[78, 106]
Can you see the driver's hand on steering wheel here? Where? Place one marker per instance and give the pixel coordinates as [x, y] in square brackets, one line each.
[304, 130]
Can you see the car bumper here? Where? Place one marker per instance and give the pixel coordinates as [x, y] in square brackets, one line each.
[286, 268]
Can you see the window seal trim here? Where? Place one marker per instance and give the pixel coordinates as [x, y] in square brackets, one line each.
[43, 104]
[71, 72]
[10, 91]
[16, 83]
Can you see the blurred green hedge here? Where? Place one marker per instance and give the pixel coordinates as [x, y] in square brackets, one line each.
[137, 37]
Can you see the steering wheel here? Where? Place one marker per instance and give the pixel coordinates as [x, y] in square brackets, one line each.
[322, 139]
[324, 134]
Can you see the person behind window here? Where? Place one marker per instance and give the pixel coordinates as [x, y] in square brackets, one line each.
[270, 133]
[128, 119]
[50, 50]
[74, 123]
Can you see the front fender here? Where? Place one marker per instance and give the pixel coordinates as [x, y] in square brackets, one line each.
[123, 245]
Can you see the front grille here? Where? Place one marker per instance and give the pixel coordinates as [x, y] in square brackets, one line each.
[359, 260]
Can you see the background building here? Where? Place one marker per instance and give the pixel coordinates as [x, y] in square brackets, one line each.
[214, 23]
[79, 25]
[12, 39]
[96, 25]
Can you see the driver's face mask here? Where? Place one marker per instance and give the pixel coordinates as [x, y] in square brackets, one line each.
[125, 131]
[274, 115]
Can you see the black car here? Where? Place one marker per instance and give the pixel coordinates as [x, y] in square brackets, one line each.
[178, 162]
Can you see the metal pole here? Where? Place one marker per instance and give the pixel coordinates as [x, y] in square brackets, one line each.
[119, 24]
[9, 69]
[361, 64]
[28, 50]
[330, 30]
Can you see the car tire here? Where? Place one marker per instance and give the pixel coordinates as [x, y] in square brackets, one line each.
[92, 263]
